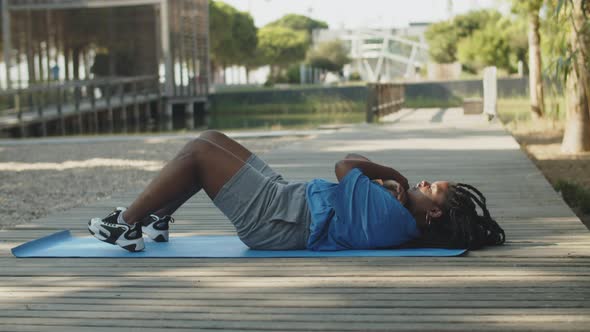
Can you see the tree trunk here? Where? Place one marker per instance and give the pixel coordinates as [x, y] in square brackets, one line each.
[577, 131]
[535, 79]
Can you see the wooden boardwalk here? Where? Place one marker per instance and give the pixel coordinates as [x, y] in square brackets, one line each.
[68, 110]
[538, 281]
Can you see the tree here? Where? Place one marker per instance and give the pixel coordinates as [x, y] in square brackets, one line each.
[576, 64]
[279, 46]
[331, 56]
[299, 22]
[483, 48]
[286, 42]
[518, 42]
[442, 41]
[221, 17]
[443, 37]
[233, 36]
[245, 36]
[493, 45]
[530, 9]
[467, 24]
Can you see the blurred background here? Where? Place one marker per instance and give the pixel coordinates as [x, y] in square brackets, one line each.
[117, 66]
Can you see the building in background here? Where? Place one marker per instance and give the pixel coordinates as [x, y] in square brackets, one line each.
[61, 42]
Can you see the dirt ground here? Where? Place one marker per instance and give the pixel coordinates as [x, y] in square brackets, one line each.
[542, 142]
[37, 179]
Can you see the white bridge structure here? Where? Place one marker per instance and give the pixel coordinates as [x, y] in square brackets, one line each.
[382, 55]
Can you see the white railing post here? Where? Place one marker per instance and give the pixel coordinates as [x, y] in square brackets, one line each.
[490, 92]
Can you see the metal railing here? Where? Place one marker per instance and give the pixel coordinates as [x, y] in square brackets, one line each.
[57, 100]
[383, 99]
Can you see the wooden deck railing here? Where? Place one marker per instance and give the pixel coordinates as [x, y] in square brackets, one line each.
[58, 100]
[383, 99]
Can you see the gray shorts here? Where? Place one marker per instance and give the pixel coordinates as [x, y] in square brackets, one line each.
[268, 212]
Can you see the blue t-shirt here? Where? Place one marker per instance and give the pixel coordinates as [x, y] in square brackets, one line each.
[356, 214]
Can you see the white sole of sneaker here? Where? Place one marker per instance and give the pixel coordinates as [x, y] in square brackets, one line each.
[99, 233]
[156, 235]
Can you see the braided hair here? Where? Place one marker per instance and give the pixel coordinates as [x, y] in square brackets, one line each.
[460, 225]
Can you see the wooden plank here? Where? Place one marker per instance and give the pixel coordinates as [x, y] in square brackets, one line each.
[408, 317]
[298, 326]
[114, 307]
[537, 281]
[90, 296]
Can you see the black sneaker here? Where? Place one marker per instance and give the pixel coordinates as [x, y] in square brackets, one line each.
[157, 228]
[110, 231]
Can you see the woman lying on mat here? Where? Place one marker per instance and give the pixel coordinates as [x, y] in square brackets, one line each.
[274, 214]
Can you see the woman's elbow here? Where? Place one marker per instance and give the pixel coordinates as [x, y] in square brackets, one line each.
[341, 168]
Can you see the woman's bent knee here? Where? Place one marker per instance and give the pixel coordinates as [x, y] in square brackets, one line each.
[198, 147]
[213, 135]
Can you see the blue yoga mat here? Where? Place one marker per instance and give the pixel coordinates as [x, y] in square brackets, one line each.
[63, 244]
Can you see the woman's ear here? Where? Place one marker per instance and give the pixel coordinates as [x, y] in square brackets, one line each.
[435, 212]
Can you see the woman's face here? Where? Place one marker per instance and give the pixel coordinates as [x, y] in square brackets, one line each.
[436, 191]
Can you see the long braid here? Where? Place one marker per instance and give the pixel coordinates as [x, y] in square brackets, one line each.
[496, 233]
[461, 226]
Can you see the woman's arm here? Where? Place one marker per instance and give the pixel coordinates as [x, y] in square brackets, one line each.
[356, 156]
[371, 170]
[396, 190]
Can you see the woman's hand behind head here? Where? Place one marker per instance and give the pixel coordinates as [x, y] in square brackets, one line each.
[397, 190]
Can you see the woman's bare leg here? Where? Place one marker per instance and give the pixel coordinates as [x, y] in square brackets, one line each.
[224, 142]
[201, 164]
[227, 143]
[170, 208]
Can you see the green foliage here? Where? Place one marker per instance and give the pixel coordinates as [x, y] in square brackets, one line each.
[293, 34]
[492, 45]
[311, 109]
[472, 21]
[279, 46]
[515, 113]
[220, 29]
[331, 56]
[233, 35]
[444, 36]
[299, 22]
[427, 102]
[478, 39]
[526, 7]
[442, 41]
[235, 40]
[575, 195]
[291, 75]
[245, 35]
[517, 38]
[556, 46]
[355, 76]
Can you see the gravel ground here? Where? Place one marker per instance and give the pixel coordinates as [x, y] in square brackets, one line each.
[37, 179]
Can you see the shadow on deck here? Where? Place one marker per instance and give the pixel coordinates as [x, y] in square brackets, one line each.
[537, 281]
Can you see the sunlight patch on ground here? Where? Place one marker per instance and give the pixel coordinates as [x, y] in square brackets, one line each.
[474, 143]
[146, 165]
[159, 140]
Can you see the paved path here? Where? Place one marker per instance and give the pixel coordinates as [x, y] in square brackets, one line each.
[538, 281]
